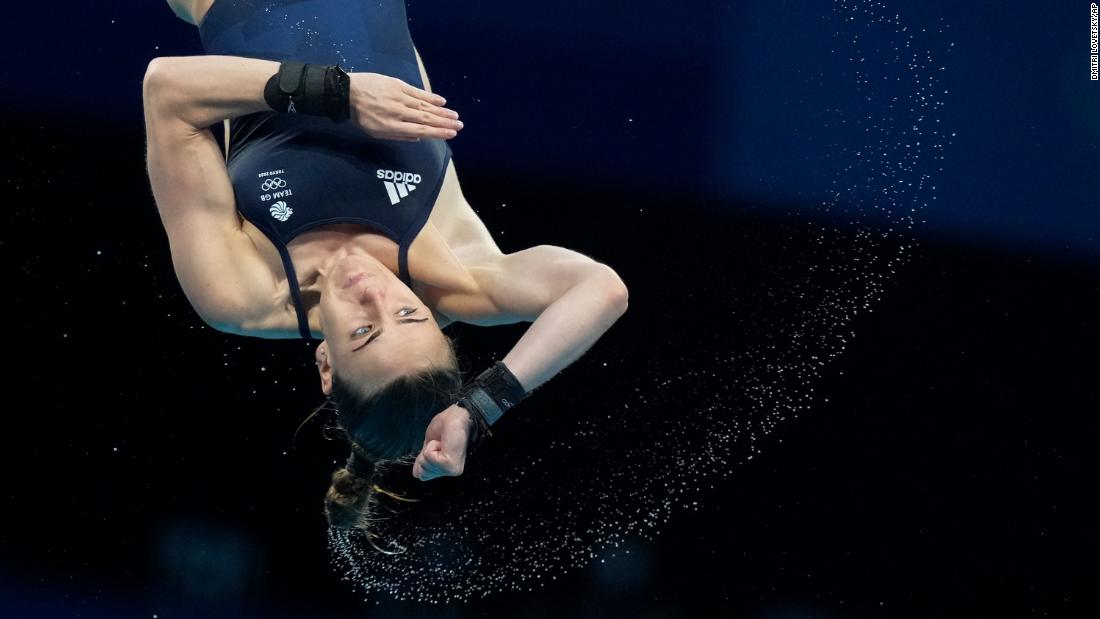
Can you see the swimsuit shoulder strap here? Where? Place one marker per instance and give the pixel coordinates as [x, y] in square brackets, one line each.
[295, 293]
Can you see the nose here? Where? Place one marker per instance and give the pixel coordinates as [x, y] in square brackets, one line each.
[371, 293]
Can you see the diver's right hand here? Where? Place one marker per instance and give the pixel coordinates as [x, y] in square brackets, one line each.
[443, 453]
[387, 108]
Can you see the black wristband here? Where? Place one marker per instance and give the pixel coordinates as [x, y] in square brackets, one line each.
[486, 398]
[503, 386]
[479, 431]
[311, 89]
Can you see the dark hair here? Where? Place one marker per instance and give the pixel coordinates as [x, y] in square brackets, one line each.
[384, 427]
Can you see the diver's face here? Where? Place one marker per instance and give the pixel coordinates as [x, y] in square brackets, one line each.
[375, 327]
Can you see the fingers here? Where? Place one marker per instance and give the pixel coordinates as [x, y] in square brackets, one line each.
[432, 462]
[396, 110]
[423, 95]
[417, 111]
[417, 114]
[413, 132]
[420, 105]
[425, 468]
[418, 468]
[418, 118]
[426, 471]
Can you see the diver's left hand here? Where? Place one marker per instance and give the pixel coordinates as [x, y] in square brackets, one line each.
[444, 451]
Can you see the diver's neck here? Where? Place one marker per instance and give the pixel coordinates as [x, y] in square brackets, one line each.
[316, 252]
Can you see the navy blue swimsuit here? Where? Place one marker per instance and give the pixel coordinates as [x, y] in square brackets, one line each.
[291, 173]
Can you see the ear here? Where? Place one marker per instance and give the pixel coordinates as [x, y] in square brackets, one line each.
[323, 367]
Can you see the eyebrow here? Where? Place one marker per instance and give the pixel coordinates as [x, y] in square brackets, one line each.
[380, 331]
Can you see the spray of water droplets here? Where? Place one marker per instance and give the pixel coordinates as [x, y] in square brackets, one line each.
[639, 452]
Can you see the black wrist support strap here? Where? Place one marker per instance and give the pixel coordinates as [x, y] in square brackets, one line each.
[487, 398]
[313, 89]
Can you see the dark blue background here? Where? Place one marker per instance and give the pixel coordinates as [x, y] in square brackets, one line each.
[946, 469]
[711, 96]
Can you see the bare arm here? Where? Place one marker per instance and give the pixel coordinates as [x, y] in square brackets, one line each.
[185, 14]
[204, 90]
[571, 298]
[568, 328]
[217, 266]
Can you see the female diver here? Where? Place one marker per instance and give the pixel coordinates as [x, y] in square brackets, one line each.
[336, 214]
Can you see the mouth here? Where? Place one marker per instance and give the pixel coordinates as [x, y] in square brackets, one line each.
[355, 279]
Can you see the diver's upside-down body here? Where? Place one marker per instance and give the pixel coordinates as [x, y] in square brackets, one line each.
[309, 228]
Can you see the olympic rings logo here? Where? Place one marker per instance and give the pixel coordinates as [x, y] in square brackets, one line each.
[274, 183]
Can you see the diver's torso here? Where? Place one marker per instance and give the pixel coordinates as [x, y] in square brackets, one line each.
[362, 37]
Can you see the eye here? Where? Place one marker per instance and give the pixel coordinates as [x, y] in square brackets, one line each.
[404, 311]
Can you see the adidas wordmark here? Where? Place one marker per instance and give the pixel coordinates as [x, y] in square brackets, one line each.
[398, 184]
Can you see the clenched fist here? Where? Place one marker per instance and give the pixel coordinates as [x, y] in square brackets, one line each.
[444, 450]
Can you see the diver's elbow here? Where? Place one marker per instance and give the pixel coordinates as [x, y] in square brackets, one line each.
[615, 288]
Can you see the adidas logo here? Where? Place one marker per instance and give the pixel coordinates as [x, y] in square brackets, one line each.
[398, 184]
